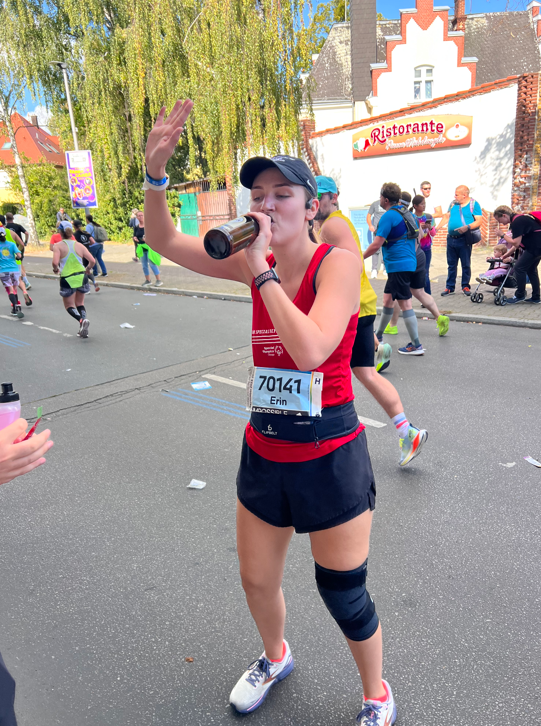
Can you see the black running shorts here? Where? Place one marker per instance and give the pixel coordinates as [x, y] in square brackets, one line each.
[308, 495]
[362, 354]
[418, 278]
[398, 285]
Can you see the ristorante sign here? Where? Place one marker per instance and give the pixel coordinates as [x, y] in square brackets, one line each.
[421, 133]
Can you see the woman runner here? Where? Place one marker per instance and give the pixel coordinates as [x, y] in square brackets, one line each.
[68, 258]
[314, 478]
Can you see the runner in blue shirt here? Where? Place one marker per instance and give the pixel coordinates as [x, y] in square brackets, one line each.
[397, 243]
[10, 271]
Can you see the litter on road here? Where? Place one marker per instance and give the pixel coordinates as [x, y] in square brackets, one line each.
[509, 465]
[532, 461]
[196, 484]
[200, 385]
[127, 325]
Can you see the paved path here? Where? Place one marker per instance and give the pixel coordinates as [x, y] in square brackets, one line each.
[113, 572]
[121, 268]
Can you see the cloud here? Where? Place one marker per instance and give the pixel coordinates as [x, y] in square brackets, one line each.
[43, 114]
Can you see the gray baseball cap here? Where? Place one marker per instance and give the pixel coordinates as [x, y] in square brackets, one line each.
[295, 170]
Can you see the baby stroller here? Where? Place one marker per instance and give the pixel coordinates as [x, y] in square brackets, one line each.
[499, 284]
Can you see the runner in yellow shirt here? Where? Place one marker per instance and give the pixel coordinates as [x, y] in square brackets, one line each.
[336, 229]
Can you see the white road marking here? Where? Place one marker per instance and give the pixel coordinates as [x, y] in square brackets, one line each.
[220, 379]
[371, 422]
[41, 327]
[238, 384]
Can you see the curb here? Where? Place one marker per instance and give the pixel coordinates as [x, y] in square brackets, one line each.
[161, 290]
[458, 317]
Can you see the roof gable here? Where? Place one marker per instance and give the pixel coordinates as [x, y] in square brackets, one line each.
[33, 142]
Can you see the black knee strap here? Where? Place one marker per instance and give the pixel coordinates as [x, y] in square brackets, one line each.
[347, 600]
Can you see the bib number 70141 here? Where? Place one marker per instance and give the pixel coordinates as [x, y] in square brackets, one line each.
[283, 391]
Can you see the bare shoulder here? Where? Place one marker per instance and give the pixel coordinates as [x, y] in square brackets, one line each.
[334, 229]
[342, 263]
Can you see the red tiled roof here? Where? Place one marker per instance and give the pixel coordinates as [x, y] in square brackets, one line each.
[33, 142]
[408, 110]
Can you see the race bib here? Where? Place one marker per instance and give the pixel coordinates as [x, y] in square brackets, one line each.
[277, 390]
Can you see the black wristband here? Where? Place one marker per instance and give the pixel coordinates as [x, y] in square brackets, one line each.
[265, 277]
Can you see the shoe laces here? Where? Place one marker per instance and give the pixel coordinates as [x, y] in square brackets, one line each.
[259, 668]
[370, 714]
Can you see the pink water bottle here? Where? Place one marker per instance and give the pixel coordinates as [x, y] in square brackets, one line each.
[10, 405]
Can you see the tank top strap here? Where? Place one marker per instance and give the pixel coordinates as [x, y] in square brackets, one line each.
[71, 245]
[316, 262]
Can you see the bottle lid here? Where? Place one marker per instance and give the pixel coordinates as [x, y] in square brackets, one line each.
[8, 395]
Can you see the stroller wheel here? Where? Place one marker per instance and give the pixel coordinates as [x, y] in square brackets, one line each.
[503, 300]
[480, 297]
[496, 300]
[473, 297]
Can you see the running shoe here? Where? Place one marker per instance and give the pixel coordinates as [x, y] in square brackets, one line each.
[375, 713]
[447, 292]
[466, 290]
[443, 325]
[28, 285]
[383, 357]
[146, 282]
[391, 329]
[411, 446]
[83, 328]
[532, 301]
[16, 311]
[97, 288]
[158, 283]
[27, 300]
[254, 685]
[411, 349]
[104, 274]
[374, 274]
[135, 259]
[515, 300]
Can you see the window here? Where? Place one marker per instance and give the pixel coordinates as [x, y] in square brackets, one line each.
[7, 145]
[423, 83]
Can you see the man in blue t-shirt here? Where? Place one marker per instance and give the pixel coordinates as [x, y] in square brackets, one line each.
[398, 247]
[464, 215]
[10, 271]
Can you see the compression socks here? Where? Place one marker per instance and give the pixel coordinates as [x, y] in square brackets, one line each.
[384, 320]
[13, 299]
[82, 311]
[411, 324]
[74, 314]
[402, 424]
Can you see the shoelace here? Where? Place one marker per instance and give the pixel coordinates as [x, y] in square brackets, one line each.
[259, 668]
[371, 713]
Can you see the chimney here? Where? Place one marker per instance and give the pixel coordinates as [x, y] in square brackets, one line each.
[459, 21]
[362, 28]
[34, 121]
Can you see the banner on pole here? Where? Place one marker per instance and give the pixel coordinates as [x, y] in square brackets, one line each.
[81, 180]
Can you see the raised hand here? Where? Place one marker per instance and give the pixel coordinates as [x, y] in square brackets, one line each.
[164, 137]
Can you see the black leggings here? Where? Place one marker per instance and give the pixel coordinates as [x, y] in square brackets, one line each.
[527, 265]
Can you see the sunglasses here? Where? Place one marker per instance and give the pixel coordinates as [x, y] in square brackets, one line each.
[321, 194]
[426, 189]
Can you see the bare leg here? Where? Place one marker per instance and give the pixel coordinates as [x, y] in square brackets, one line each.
[262, 551]
[79, 298]
[69, 302]
[345, 548]
[22, 286]
[426, 300]
[381, 389]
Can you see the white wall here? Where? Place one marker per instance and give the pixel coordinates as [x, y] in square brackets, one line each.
[329, 116]
[485, 166]
[423, 47]
[4, 179]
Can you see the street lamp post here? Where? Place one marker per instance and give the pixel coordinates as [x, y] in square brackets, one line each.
[64, 66]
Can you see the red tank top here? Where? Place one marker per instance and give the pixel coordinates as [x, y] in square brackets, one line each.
[269, 352]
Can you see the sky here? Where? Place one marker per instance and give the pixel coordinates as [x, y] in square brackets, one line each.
[390, 9]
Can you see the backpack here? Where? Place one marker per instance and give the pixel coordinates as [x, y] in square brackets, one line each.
[412, 230]
[100, 235]
[535, 215]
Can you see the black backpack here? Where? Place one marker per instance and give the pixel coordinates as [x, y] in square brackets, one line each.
[412, 228]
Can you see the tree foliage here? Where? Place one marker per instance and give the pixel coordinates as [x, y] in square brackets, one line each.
[239, 60]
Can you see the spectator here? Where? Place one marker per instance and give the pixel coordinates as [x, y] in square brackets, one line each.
[463, 218]
[17, 228]
[426, 223]
[55, 237]
[147, 255]
[98, 234]
[434, 210]
[525, 232]
[133, 223]
[375, 213]
[62, 216]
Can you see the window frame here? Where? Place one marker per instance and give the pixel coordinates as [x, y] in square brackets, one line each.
[423, 75]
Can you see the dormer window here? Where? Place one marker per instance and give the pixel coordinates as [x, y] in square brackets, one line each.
[422, 83]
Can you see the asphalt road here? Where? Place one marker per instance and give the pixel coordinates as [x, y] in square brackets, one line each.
[113, 572]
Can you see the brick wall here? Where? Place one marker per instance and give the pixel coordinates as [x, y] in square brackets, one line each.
[489, 236]
[525, 191]
[308, 127]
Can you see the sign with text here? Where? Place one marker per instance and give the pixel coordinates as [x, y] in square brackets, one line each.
[420, 133]
[81, 180]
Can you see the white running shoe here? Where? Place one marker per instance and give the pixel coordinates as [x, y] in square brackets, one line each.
[375, 713]
[254, 685]
[374, 274]
[83, 328]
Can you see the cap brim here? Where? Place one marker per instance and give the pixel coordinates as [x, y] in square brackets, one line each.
[251, 168]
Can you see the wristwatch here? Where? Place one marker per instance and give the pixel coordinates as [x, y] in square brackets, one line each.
[265, 277]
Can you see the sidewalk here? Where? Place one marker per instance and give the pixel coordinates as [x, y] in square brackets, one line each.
[122, 269]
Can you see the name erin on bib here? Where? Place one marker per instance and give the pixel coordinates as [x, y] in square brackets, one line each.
[283, 391]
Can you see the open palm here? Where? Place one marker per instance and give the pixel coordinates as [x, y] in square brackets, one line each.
[164, 137]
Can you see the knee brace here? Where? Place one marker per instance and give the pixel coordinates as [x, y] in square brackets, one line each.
[347, 600]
